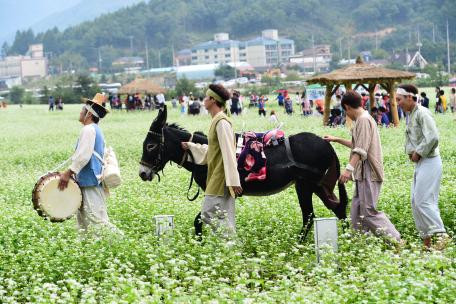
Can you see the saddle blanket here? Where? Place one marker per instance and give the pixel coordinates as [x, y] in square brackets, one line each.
[250, 152]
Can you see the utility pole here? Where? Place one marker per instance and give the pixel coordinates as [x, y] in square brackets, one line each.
[448, 49]
[278, 54]
[376, 40]
[349, 49]
[340, 48]
[159, 59]
[234, 61]
[131, 44]
[433, 33]
[419, 44]
[147, 58]
[99, 61]
[406, 58]
[313, 54]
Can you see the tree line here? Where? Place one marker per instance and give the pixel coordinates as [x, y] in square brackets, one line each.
[168, 26]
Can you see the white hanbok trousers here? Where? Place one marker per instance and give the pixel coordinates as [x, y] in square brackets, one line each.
[425, 196]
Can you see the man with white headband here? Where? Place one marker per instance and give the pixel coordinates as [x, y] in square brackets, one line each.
[421, 145]
[222, 183]
[88, 168]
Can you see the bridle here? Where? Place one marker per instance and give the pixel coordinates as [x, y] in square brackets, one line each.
[158, 165]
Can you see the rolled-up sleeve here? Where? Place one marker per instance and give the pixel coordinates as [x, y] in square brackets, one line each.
[430, 139]
[84, 149]
[362, 136]
[199, 153]
[226, 141]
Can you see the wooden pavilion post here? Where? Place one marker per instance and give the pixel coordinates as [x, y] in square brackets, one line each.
[392, 93]
[348, 121]
[327, 109]
[371, 90]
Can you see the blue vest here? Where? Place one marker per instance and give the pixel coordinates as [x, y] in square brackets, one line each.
[87, 177]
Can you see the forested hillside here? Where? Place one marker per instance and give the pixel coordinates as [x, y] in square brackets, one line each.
[177, 24]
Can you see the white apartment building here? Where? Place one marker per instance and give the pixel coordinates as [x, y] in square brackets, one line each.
[262, 52]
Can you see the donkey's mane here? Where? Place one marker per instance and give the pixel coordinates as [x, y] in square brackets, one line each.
[177, 127]
[200, 133]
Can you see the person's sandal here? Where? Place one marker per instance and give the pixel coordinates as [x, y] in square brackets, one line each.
[441, 241]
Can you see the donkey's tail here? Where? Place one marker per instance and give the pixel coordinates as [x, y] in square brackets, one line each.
[341, 209]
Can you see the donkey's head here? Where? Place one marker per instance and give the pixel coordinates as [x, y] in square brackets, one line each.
[154, 157]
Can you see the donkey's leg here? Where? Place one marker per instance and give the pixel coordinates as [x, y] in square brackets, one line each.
[305, 202]
[329, 199]
[327, 196]
[198, 224]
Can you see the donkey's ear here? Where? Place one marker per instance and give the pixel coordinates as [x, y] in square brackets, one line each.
[159, 121]
[164, 114]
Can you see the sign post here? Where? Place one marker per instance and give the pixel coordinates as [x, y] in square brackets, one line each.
[325, 234]
[164, 225]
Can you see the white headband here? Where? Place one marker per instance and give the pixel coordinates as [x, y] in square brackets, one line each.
[89, 108]
[401, 91]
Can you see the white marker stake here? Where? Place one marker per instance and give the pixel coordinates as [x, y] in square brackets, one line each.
[325, 234]
[164, 225]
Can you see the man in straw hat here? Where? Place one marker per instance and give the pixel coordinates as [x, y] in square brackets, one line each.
[87, 167]
[223, 183]
[422, 147]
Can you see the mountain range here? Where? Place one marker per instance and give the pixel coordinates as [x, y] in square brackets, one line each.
[45, 14]
[161, 27]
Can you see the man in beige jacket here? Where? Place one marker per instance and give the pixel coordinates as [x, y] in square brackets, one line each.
[366, 169]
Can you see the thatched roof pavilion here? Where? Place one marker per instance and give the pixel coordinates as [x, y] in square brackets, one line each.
[142, 86]
[361, 74]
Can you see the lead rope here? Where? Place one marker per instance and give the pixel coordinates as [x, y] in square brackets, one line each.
[184, 158]
[192, 177]
[191, 181]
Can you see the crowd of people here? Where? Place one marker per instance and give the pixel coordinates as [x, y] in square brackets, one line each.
[58, 105]
[193, 105]
[136, 102]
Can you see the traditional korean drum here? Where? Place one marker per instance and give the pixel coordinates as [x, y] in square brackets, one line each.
[52, 203]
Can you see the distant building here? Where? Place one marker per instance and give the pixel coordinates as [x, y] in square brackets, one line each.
[262, 52]
[128, 64]
[346, 61]
[269, 50]
[9, 82]
[405, 59]
[418, 61]
[10, 66]
[201, 71]
[317, 58]
[183, 57]
[32, 65]
[220, 50]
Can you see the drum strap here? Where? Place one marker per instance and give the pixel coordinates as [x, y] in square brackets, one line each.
[58, 167]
